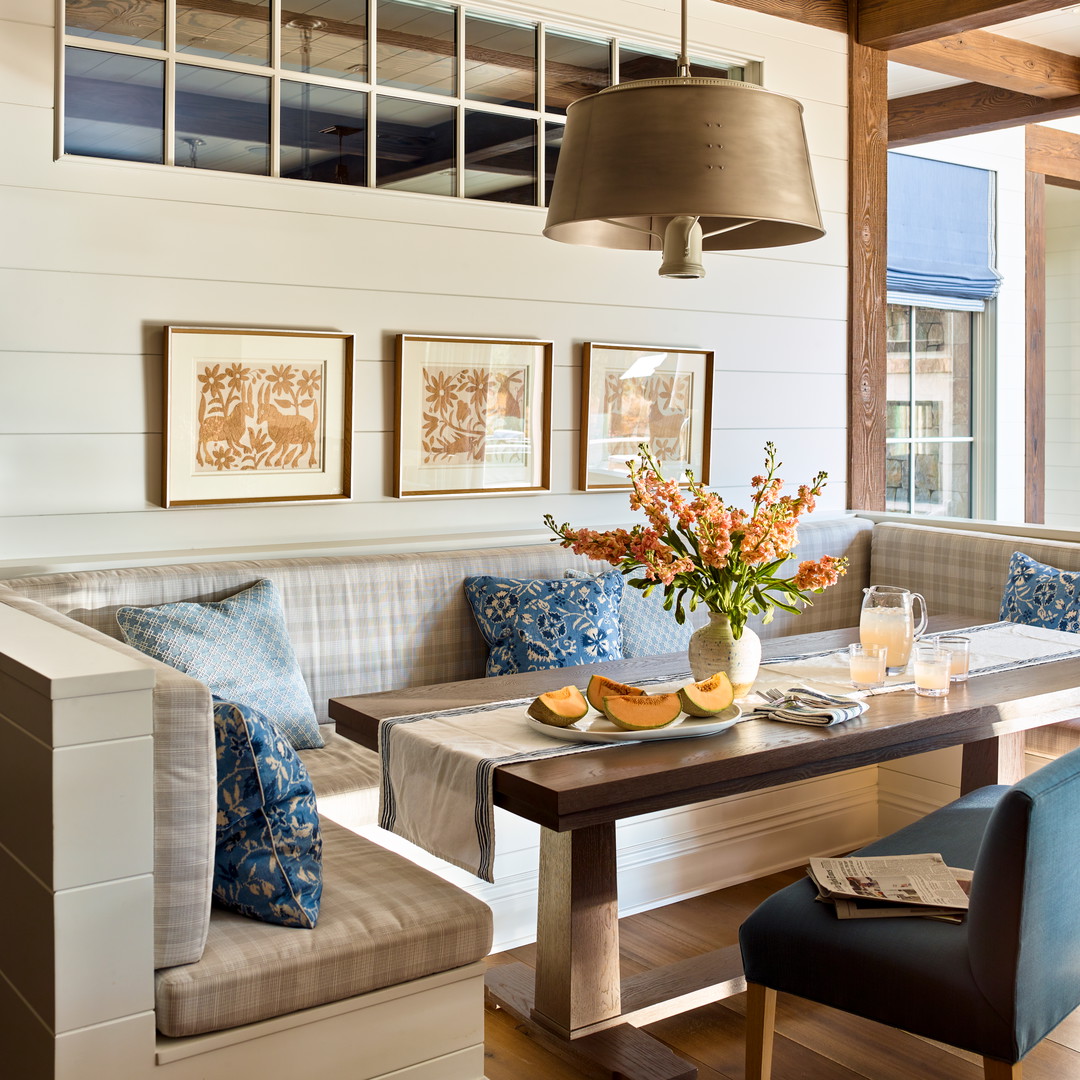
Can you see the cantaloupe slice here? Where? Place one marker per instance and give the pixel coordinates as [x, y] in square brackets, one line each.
[707, 698]
[559, 708]
[642, 712]
[600, 688]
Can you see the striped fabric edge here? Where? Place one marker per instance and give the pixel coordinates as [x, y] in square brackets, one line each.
[485, 768]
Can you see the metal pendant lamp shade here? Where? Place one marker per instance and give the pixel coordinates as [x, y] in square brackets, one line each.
[684, 165]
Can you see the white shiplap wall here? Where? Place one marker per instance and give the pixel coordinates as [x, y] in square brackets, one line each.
[1062, 357]
[97, 257]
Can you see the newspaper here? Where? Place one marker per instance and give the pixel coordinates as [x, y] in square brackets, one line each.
[914, 881]
[885, 909]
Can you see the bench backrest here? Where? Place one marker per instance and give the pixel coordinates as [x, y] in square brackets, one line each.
[957, 570]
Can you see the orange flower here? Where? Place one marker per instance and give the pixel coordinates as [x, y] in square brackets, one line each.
[699, 549]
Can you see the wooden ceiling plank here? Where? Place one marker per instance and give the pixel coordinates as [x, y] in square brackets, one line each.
[996, 60]
[893, 24]
[967, 110]
[1054, 154]
[828, 14]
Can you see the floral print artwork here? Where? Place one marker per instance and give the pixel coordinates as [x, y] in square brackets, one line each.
[654, 409]
[474, 415]
[261, 417]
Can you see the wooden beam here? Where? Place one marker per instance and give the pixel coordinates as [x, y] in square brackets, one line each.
[892, 24]
[828, 14]
[997, 61]
[968, 109]
[867, 182]
[1054, 154]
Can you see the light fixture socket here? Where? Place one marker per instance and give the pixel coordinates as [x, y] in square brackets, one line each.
[682, 248]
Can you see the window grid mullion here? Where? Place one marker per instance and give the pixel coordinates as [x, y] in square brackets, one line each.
[459, 89]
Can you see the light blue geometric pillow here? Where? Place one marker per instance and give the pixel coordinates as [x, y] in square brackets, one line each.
[239, 648]
[647, 629]
[1041, 595]
[534, 624]
[268, 864]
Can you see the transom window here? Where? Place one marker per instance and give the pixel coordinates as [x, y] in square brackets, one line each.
[409, 95]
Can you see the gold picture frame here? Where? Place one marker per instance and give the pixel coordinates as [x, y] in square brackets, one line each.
[256, 416]
[653, 394]
[473, 416]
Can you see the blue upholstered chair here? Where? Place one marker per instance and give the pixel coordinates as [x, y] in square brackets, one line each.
[994, 984]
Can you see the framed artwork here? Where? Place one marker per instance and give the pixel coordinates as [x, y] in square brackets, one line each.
[256, 416]
[474, 416]
[633, 394]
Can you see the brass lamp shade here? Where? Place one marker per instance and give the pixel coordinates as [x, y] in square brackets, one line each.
[638, 154]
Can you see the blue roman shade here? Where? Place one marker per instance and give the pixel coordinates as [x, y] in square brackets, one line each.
[941, 229]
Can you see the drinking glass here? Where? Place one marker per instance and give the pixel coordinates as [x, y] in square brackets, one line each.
[959, 648]
[867, 665]
[932, 667]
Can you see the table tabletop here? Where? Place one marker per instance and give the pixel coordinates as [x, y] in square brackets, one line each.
[575, 1001]
[571, 791]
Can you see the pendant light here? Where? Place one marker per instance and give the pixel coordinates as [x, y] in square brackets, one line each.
[684, 165]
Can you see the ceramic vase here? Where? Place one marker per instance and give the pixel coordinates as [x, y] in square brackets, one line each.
[714, 648]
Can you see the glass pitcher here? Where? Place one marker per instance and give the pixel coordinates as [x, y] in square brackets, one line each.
[888, 618]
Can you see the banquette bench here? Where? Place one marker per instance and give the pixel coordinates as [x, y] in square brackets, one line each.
[126, 968]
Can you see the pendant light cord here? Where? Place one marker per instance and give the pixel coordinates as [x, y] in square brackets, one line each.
[684, 60]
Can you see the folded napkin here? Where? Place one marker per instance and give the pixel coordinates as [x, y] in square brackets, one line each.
[801, 705]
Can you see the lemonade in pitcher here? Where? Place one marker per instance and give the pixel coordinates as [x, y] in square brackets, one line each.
[888, 619]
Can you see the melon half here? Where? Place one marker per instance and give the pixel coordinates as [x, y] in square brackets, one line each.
[559, 708]
[600, 688]
[642, 712]
[709, 697]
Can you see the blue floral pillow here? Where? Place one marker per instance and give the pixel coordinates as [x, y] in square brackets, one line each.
[268, 864]
[646, 628]
[534, 624]
[238, 647]
[1041, 595]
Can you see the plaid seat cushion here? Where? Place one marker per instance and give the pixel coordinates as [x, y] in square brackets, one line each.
[383, 921]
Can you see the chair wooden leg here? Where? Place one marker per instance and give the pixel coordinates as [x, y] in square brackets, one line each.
[760, 1021]
[1000, 1070]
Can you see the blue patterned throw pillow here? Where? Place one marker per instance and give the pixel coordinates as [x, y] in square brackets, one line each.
[1041, 595]
[268, 864]
[646, 628]
[541, 623]
[239, 648]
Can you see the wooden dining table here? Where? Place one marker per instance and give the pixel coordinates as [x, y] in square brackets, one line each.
[574, 1001]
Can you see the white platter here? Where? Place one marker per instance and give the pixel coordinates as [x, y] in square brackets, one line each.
[599, 729]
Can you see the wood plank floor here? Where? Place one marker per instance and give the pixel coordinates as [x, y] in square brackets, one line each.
[813, 1042]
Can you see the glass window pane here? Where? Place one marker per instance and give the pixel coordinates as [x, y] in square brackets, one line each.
[500, 62]
[224, 29]
[553, 137]
[500, 158]
[327, 37]
[942, 384]
[943, 479]
[222, 120]
[323, 133]
[114, 106]
[416, 46]
[898, 372]
[898, 477]
[573, 68]
[713, 69]
[640, 63]
[415, 146]
[134, 22]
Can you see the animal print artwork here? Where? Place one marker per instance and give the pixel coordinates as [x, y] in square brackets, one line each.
[261, 417]
[654, 409]
[474, 415]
